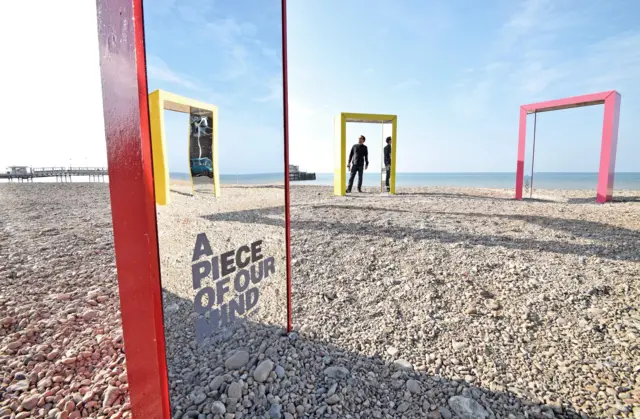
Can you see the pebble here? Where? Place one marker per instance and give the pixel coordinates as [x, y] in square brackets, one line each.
[486, 294]
[30, 402]
[89, 315]
[234, 391]
[22, 385]
[414, 386]
[445, 413]
[275, 411]
[402, 364]
[110, 396]
[336, 372]
[218, 408]
[198, 397]
[262, 371]
[415, 296]
[494, 305]
[458, 345]
[216, 382]
[467, 408]
[392, 351]
[238, 360]
[403, 407]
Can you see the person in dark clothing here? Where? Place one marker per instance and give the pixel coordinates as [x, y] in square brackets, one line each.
[387, 162]
[358, 161]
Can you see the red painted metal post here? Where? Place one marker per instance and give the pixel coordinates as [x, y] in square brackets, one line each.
[124, 87]
[609, 147]
[287, 198]
[533, 154]
[522, 138]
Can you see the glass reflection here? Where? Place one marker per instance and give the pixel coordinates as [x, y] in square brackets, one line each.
[201, 146]
[220, 199]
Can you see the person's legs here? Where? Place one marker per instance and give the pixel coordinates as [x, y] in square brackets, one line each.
[352, 175]
[388, 176]
[360, 173]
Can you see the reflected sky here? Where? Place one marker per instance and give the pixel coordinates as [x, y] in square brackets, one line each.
[229, 56]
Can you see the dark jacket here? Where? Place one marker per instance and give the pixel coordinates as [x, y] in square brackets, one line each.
[387, 155]
[359, 155]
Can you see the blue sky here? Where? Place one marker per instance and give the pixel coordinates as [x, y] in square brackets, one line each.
[454, 71]
[229, 55]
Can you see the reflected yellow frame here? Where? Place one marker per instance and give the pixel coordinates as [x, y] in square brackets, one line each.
[160, 100]
[340, 148]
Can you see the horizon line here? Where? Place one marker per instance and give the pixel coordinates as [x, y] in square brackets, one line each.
[420, 173]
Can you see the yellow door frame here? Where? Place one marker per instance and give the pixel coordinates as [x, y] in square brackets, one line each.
[340, 148]
[160, 100]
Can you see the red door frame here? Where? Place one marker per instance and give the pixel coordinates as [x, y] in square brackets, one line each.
[128, 138]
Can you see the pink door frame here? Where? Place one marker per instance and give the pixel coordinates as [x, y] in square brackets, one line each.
[611, 101]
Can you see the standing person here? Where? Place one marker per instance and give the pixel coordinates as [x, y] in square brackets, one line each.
[358, 159]
[387, 162]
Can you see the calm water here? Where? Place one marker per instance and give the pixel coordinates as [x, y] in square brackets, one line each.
[479, 180]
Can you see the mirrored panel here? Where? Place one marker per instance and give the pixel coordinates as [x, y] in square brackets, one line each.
[220, 200]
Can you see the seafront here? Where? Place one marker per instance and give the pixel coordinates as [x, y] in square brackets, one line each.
[404, 306]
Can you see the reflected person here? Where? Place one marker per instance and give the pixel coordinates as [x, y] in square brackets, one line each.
[358, 161]
[387, 162]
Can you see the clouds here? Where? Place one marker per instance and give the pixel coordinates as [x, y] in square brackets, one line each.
[468, 67]
[214, 43]
[554, 45]
[229, 55]
[234, 40]
[547, 49]
[275, 90]
[159, 70]
[454, 72]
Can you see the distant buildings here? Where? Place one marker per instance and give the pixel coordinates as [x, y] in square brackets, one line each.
[295, 174]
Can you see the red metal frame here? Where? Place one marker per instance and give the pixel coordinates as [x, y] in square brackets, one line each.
[287, 198]
[126, 115]
[124, 86]
[611, 101]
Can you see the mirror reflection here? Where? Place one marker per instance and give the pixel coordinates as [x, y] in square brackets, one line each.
[216, 112]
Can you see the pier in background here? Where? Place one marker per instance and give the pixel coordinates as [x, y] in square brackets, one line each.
[61, 174]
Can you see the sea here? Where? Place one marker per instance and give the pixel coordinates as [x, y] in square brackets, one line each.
[542, 180]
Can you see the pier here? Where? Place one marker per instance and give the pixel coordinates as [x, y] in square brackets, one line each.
[61, 174]
[296, 175]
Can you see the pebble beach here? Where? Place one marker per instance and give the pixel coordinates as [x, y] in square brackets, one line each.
[436, 303]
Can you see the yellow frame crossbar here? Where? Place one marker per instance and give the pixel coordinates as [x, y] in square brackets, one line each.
[159, 101]
[340, 149]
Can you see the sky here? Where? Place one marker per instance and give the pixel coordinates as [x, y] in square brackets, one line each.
[51, 103]
[454, 71]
